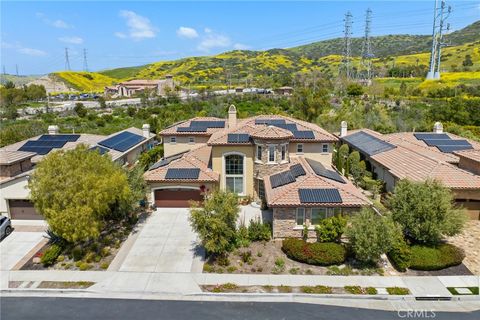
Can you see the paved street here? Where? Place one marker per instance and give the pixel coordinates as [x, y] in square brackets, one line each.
[81, 308]
[166, 243]
[14, 247]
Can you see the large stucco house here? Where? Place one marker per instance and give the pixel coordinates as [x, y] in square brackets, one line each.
[278, 160]
[18, 160]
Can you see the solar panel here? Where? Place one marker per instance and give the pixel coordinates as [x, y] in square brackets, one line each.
[319, 196]
[164, 161]
[100, 149]
[423, 136]
[447, 142]
[36, 149]
[45, 143]
[297, 170]
[450, 149]
[303, 135]
[182, 173]
[287, 126]
[207, 124]
[320, 170]
[272, 122]
[122, 141]
[238, 138]
[367, 143]
[191, 129]
[281, 179]
[60, 137]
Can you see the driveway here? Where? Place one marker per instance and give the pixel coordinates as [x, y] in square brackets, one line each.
[166, 243]
[16, 246]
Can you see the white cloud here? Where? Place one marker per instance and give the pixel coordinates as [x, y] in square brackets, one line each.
[23, 50]
[241, 46]
[213, 40]
[54, 23]
[60, 24]
[72, 40]
[139, 27]
[187, 32]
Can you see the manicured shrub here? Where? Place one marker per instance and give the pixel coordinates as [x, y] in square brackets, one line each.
[104, 265]
[77, 253]
[371, 290]
[354, 289]
[316, 289]
[330, 229]
[400, 255]
[284, 289]
[84, 266]
[435, 257]
[397, 291]
[51, 255]
[322, 254]
[258, 231]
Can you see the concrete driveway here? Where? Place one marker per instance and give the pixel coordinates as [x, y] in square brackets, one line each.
[166, 243]
[16, 246]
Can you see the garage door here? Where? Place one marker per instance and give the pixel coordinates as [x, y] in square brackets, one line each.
[23, 210]
[176, 198]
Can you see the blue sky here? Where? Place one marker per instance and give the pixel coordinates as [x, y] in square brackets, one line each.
[34, 34]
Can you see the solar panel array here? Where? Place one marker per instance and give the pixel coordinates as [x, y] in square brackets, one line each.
[201, 126]
[319, 196]
[43, 146]
[60, 137]
[100, 149]
[122, 141]
[238, 138]
[182, 173]
[286, 177]
[164, 161]
[368, 144]
[443, 142]
[320, 170]
[292, 127]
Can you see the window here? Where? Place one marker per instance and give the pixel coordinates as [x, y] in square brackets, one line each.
[299, 148]
[271, 153]
[191, 139]
[325, 148]
[322, 213]
[300, 216]
[234, 173]
[173, 139]
[259, 152]
[284, 152]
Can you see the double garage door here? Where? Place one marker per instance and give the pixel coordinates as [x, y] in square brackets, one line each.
[176, 198]
[23, 210]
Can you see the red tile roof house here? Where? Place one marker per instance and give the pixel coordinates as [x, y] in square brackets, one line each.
[18, 160]
[132, 87]
[420, 156]
[282, 161]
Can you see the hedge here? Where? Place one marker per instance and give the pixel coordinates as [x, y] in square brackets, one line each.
[322, 254]
[435, 257]
[400, 256]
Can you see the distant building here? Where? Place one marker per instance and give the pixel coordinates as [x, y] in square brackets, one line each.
[132, 87]
[286, 91]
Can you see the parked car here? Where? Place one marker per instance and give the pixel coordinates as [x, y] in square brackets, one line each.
[5, 227]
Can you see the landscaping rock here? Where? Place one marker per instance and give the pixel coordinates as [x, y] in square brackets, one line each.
[36, 260]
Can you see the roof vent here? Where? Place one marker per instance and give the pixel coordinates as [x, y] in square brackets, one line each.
[53, 130]
[438, 127]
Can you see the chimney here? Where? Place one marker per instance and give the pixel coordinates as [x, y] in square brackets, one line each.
[438, 127]
[52, 130]
[232, 116]
[343, 129]
[146, 130]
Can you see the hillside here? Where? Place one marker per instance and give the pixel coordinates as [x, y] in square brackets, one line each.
[277, 66]
[17, 80]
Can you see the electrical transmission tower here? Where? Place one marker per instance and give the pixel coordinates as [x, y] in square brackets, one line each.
[16, 69]
[367, 53]
[440, 15]
[85, 64]
[67, 60]
[347, 46]
[4, 72]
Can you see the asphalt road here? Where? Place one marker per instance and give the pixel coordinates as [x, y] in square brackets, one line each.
[25, 308]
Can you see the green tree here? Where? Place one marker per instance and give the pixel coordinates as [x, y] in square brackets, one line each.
[342, 159]
[76, 190]
[215, 222]
[356, 167]
[102, 102]
[370, 235]
[330, 229]
[148, 158]
[425, 210]
[80, 109]
[354, 89]
[467, 62]
[403, 88]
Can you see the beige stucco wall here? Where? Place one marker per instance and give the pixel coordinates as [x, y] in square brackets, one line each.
[469, 165]
[14, 189]
[313, 151]
[181, 145]
[218, 153]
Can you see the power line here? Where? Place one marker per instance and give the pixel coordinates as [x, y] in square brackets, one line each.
[16, 69]
[347, 46]
[67, 60]
[367, 53]
[440, 15]
[85, 64]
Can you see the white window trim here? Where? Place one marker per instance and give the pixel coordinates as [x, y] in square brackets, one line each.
[328, 148]
[296, 217]
[283, 147]
[173, 140]
[274, 154]
[256, 153]
[300, 152]
[224, 179]
[193, 140]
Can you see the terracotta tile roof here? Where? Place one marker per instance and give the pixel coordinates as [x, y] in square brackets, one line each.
[271, 132]
[9, 157]
[287, 195]
[172, 130]
[469, 154]
[248, 126]
[141, 82]
[196, 158]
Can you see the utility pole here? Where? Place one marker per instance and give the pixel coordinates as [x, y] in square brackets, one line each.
[16, 69]
[347, 44]
[367, 53]
[440, 15]
[4, 72]
[85, 64]
[67, 60]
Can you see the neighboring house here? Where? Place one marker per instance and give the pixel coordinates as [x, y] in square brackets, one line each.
[285, 91]
[284, 162]
[18, 160]
[132, 87]
[419, 156]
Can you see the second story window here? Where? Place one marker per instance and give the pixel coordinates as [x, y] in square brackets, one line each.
[284, 152]
[191, 140]
[271, 153]
[259, 153]
[173, 139]
[325, 148]
[299, 148]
